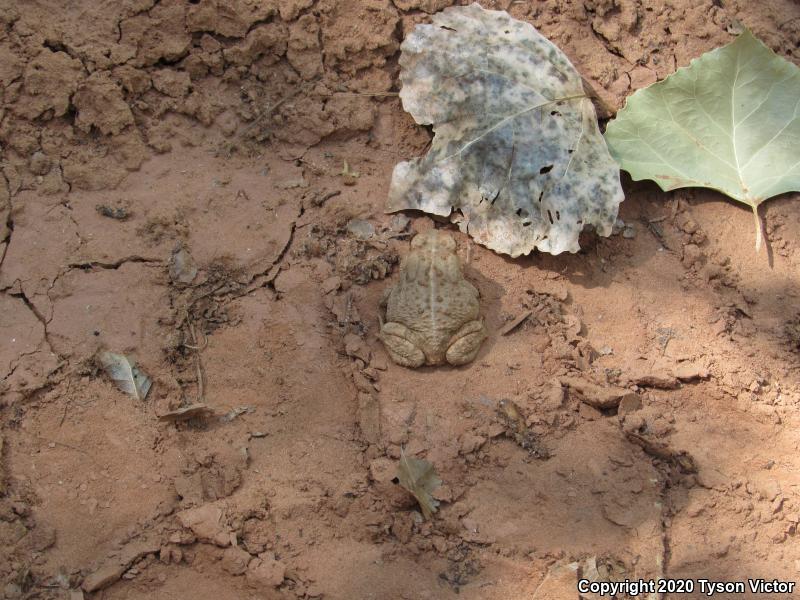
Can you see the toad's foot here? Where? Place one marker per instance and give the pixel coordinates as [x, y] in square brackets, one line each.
[464, 345]
[401, 344]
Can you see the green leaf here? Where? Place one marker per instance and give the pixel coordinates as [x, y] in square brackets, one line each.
[419, 477]
[517, 148]
[729, 121]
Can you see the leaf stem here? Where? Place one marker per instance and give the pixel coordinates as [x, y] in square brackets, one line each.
[759, 227]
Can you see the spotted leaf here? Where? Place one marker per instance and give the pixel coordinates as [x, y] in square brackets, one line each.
[517, 150]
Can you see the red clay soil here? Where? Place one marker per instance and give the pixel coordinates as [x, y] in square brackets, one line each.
[145, 139]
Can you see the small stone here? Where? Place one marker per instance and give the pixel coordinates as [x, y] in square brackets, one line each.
[769, 490]
[641, 77]
[629, 232]
[470, 443]
[540, 343]
[355, 347]
[331, 284]
[496, 430]
[265, 571]
[235, 560]
[103, 577]
[289, 184]
[599, 396]
[553, 397]
[630, 403]
[40, 163]
[559, 583]
[589, 412]
[228, 123]
[657, 378]
[689, 372]
[399, 222]
[206, 523]
[378, 363]
[382, 470]
[692, 254]
[443, 493]
[314, 590]
[687, 224]
[620, 86]
[41, 538]
[361, 229]
[175, 84]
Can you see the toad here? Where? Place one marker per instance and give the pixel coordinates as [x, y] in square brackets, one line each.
[432, 312]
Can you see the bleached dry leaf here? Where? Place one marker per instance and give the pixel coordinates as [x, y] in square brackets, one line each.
[729, 121]
[188, 412]
[182, 268]
[419, 477]
[517, 147]
[125, 374]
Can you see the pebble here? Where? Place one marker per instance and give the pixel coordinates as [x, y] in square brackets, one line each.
[692, 254]
[361, 229]
[39, 163]
[630, 403]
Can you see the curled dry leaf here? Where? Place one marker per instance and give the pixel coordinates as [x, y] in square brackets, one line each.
[729, 121]
[419, 477]
[182, 268]
[125, 374]
[517, 148]
[188, 412]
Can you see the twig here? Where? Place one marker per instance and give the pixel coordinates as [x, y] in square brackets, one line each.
[62, 444]
[365, 94]
[202, 346]
[198, 363]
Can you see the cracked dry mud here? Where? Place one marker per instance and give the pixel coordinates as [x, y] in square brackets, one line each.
[131, 130]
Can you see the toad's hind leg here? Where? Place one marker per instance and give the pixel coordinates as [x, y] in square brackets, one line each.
[464, 345]
[400, 343]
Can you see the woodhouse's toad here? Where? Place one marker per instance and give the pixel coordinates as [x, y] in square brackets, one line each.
[432, 313]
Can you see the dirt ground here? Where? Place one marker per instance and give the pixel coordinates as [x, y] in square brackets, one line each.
[143, 140]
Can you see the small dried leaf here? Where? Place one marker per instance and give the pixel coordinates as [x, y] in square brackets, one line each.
[235, 412]
[188, 412]
[419, 477]
[125, 374]
[513, 324]
[182, 267]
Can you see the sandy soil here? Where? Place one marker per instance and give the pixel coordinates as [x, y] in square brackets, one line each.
[144, 136]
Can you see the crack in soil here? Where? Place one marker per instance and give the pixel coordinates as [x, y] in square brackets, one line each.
[98, 264]
[45, 340]
[81, 240]
[9, 223]
[672, 465]
[609, 44]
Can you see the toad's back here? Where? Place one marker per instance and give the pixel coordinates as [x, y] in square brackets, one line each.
[432, 297]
